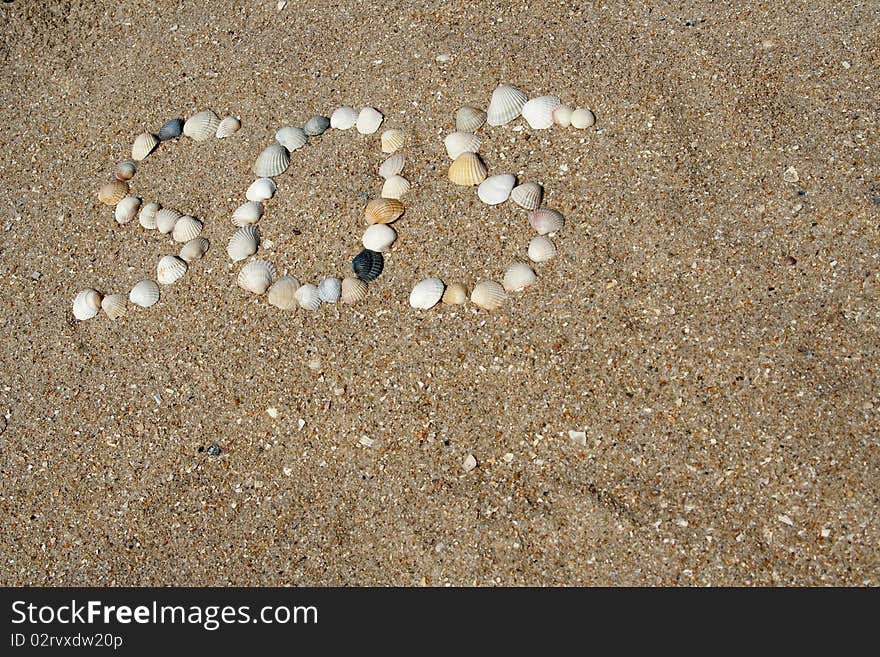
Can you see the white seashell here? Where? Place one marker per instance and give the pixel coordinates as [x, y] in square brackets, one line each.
[518, 277]
[291, 138]
[330, 289]
[147, 216]
[144, 293]
[461, 142]
[170, 269]
[395, 187]
[426, 294]
[455, 295]
[185, 229]
[546, 221]
[262, 189]
[308, 297]
[165, 220]
[528, 195]
[125, 170]
[273, 161]
[379, 237]
[496, 189]
[506, 104]
[144, 144]
[282, 293]
[228, 127]
[194, 249]
[369, 120]
[353, 290]
[256, 276]
[392, 140]
[126, 209]
[247, 213]
[467, 170]
[538, 112]
[541, 249]
[114, 305]
[343, 118]
[86, 304]
[392, 166]
[562, 116]
[582, 118]
[469, 119]
[243, 243]
[488, 295]
[201, 126]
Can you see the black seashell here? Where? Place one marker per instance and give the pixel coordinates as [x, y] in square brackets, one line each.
[367, 265]
[171, 130]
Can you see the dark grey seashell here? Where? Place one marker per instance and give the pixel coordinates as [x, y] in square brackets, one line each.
[316, 126]
[171, 130]
[367, 265]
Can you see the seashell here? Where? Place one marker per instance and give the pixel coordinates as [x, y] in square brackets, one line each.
[367, 265]
[144, 144]
[125, 170]
[256, 276]
[506, 104]
[562, 116]
[546, 221]
[282, 293]
[518, 277]
[228, 127]
[467, 170]
[455, 295]
[538, 112]
[114, 305]
[273, 161]
[426, 294]
[243, 243]
[165, 220]
[170, 269]
[262, 189]
[369, 120]
[488, 295]
[291, 138]
[186, 229]
[582, 118]
[113, 192]
[392, 140]
[461, 142]
[541, 249]
[353, 290]
[247, 213]
[379, 237]
[395, 187]
[496, 189]
[308, 297]
[126, 209]
[171, 129]
[383, 211]
[194, 249]
[469, 119]
[201, 126]
[330, 289]
[317, 125]
[144, 293]
[528, 195]
[343, 118]
[392, 166]
[86, 304]
[147, 216]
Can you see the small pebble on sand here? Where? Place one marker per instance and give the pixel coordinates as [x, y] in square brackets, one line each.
[469, 463]
[580, 437]
[214, 450]
[273, 412]
[790, 175]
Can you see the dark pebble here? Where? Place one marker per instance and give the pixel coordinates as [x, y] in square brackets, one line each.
[214, 450]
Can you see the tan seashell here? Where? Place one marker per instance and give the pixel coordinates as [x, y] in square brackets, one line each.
[392, 140]
[383, 211]
[541, 249]
[369, 120]
[170, 269]
[144, 144]
[518, 277]
[113, 192]
[273, 161]
[126, 209]
[282, 294]
[256, 276]
[201, 126]
[469, 119]
[395, 187]
[147, 216]
[125, 170]
[506, 104]
[353, 290]
[194, 249]
[455, 294]
[86, 304]
[185, 229]
[228, 127]
[546, 221]
[144, 293]
[457, 143]
[392, 166]
[488, 295]
[165, 220]
[467, 170]
[114, 305]
[528, 195]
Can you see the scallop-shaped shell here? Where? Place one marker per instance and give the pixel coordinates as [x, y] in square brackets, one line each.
[256, 276]
[330, 289]
[461, 142]
[247, 213]
[262, 189]
[582, 118]
[455, 295]
[282, 293]
[194, 249]
[144, 144]
[170, 269]
[291, 138]
[367, 265]
[467, 170]
[528, 195]
[392, 140]
[469, 119]
[538, 112]
[86, 304]
[395, 187]
[171, 129]
[228, 127]
[243, 243]
[165, 220]
[144, 293]
[488, 295]
[273, 161]
[201, 126]
[562, 116]
[343, 118]
[541, 249]
[392, 166]
[147, 216]
[114, 305]
[185, 229]
[113, 192]
[383, 211]
[519, 276]
[379, 237]
[426, 294]
[496, 189]
[308, 297]
[353, 290]
[125, 170]
[368, 121]
[506, 104]
[317, 125]
[126, 209]
[546, 221]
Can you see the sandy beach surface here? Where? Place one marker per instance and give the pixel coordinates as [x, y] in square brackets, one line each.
[710, 322]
